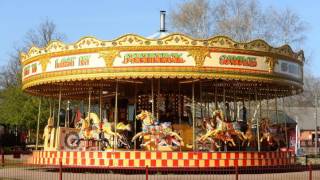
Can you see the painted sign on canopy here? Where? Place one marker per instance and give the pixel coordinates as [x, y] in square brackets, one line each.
[153, 58]
[92, 60]
[236, 61]
[31, 69]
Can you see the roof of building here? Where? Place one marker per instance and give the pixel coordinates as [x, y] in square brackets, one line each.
[305, 116]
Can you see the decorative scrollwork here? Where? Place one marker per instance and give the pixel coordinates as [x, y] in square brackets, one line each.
[199, 56]
[44, 62]
[271, 63]
[109, 56]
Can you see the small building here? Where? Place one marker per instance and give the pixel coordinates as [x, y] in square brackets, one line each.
[306, 118]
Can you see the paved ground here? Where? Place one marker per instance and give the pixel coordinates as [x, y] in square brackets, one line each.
[29, 173]
[12, 171]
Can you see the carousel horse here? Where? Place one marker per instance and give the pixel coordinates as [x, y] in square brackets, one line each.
[249, 137]
[161, 134]
[147, 123]
[168, 136]
[91, 128]
[220, 132]
[266, 133]
[209, 125]
[47, 131]
[235, 131]
[108, 133]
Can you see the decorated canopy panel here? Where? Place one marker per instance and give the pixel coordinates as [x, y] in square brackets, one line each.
[175, 56]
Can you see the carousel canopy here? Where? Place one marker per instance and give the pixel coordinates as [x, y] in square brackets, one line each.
[92, 64]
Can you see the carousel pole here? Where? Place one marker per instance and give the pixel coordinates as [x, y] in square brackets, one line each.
[285, 124]
[215, 98]
[208, 104]
[53, 112]
[268, 106]
[158, 98]
[179, 101]
[135, 114]
[276, 109]
[193, 119]
[116, 115]
[152, 98]
[66, 120]
[235, 118]
[249, 106]
[258, 130]
[224, 111]
[201, 103]
[100, 104]
[50, 107]
[224, 100]
[89, 104]
[38, 124]
[59, 107]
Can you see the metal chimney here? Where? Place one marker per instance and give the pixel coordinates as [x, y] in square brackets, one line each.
[163, 21]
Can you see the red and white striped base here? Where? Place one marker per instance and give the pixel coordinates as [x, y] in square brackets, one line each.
[127, 159]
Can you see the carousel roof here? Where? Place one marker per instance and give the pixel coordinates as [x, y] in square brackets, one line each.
[95, 64]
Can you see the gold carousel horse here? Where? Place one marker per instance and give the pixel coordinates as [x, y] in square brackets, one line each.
[147, 122]
[220, 132]
[47, 132]
[249, 136]
[267, 135]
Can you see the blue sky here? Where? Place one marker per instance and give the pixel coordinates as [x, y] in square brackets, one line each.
[110, 19]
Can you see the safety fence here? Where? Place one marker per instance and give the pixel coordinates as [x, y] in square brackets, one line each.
[11, 169]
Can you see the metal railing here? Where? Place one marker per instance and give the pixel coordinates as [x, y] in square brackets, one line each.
[17, 169]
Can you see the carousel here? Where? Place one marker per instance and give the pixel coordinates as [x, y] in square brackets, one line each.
[166, 101]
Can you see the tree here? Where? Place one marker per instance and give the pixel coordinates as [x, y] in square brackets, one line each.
[16, 107]
[193, 18]
[242, 20]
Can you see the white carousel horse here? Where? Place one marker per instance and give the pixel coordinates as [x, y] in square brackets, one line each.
[161, 135]
[93, 128]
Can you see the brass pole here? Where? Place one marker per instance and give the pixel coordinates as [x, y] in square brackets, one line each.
[38, 124]
[59, 107]
[135, 113]
[285, 123]
[100, 104]
[179, 101]
[116, 116]
[193, 119]
[201, 102]
[158, 99]
[215, 97]
[152, 98]
[258, 130]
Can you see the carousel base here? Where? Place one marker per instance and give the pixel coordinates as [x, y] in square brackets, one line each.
[140, 159]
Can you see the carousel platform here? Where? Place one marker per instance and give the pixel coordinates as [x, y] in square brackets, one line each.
[140, 159]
